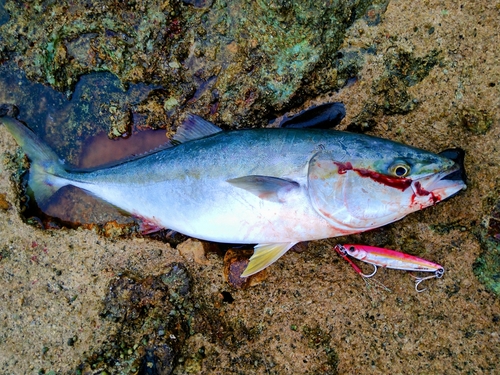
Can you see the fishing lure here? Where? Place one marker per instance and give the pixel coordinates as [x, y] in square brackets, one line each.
[380, 257]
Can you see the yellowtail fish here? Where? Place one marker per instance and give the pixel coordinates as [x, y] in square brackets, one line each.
[271, 187]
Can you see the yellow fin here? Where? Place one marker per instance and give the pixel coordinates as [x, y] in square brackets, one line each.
[264, 255]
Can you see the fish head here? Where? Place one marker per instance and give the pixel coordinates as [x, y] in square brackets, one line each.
[374, 182]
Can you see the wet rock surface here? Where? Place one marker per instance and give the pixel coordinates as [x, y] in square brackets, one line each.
[487, 265]
[235, 262]
[195, 52]
[151, 315]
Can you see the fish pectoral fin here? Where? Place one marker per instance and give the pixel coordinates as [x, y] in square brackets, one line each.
[194, 127]
[264, 255]
[272, 189]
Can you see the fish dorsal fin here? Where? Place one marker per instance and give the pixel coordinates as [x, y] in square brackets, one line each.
[324, 116]
[264, 255]
[272, 189]
[194, 127]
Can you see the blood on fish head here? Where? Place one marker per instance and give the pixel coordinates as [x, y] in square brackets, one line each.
[359, 192]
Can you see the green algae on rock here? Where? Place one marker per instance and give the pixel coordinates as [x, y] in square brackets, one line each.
[476, 121]
[153, 315]
[227, 59]
[403, 70]
[163, 324]
[487, 265]
[319, 339]
[4, 15]
[391, 97]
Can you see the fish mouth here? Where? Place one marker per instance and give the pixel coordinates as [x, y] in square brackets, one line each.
[458, 156]
[447, 183]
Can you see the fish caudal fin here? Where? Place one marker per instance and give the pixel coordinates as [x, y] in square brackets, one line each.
[46, 170]
[264, 255]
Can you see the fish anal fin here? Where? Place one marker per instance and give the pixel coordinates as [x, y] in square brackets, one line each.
[264, 255]
[272, 189]
[194, 127]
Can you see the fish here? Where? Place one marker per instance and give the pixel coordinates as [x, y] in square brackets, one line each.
[273, 187]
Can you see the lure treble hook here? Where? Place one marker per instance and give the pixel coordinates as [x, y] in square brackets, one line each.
[437, 275]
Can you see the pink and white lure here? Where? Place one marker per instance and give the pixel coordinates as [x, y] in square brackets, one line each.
[380, 257]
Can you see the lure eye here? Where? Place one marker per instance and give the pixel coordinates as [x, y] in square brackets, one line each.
[400, 170]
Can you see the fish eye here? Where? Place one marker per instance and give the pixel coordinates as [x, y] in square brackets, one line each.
[400, 170]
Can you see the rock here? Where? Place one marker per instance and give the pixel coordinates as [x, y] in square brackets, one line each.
[235, 262]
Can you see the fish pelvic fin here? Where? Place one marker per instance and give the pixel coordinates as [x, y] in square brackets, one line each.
[46, 171]
[264, 255]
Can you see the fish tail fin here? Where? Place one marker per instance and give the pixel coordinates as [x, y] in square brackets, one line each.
[46, 171]
[44, 180]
